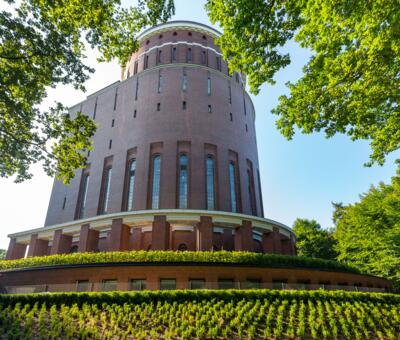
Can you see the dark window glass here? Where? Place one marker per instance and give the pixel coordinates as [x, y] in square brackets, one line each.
[210, 183]
[155, 195]
[203, 57]
[218, 63]
[231, 117]
[182, 247]
[160, 79]
[95, 109]
[232, 184]
[138, 284]
[160, 56]
[167, 284]
[183, 181]
[131, 183]
[107, 184]
[158, 106]
[64, 202]
[115, 99]
[110, 144]
[250, 184]
[209, 86]
[85, 185]
[174, 54]
[230, 94]
[189, 55]
[183, 105]
[137, 89]
[112, 123]
[253, 284]
[135, 67]
[226, 284]
[260, 193]
[82, 285]
[197, 284]
[244, 105]
[146, 61]
[109, 285]
[74, 249]
[209, 109]
[247, 129]
[134, 113]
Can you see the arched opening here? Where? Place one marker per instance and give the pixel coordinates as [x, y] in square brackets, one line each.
[182, 247]
[74, 249]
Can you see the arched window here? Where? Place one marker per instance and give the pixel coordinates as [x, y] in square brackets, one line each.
[232, 184]
[155, 195]
[210, 183]
[183, 181]
[182, 247]
[131, 183]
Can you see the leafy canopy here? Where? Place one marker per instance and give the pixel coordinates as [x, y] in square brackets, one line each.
[312, 240]
[368, 232]
[41, 46]
[350, 85]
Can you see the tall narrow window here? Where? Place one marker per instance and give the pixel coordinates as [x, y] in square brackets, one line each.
[184, 82]
[137, 89]
[203, 57]
[230, 93]
[135, 67]
[146, 61]
[189, 55]
[232, 184]
[209, 109]
[260, 193]
[159, 56]
[250, 183]
[209, 86]
[231, 117]
[115, 99]
[131, 184]
[244, 105]
[210, 186]
[85, 185]
[106, 192]
[183, 181]
[159, 83]
[218, 59]
[173, 54]
[183, 105]
[95, 109]
[155, 194]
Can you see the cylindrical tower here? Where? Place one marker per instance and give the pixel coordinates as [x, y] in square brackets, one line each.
[174, 163]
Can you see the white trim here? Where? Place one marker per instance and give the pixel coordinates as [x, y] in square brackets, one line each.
[182, 228]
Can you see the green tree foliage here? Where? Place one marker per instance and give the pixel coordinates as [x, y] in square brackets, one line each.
[2, 254]
[368, 232]
[312, 240]
[41, 46]
[351, 83]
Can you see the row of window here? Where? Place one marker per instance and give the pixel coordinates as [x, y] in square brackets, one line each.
[199, 283]
[182, 181]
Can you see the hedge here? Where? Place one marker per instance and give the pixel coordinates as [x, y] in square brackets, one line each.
[142, 256]
[232, 314]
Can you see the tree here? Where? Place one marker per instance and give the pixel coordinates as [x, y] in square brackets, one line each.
[312, 240]
[368, 232]
[41, 46]
[3, 253]
[350, 85]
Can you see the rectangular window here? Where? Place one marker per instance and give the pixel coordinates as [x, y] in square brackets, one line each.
[189, 55]
[252, 284]
[167, 284]
[106, 191]
[226, 284]
[138, 284]
[110, 144]
[146, 62]
[159, 83]
[209, 109]
[218, 60]
[137, 89]
[159, 56]
[250, 187]
[184, 82]
[158, 106]
[244, 105]
[82, 285]
[85, 185]
[109, 285]
[210, 183]
[155, 195]
[230, 93]
[278, 284]
[115, 99]
[197, 284]
[135, 67]
[131, 183]
[209, 86]
[203, 57]
[112, 122]
[231, 117]
[95, 109]
[134, 113]
[233, 185]
[183, 181]
[173, 54]
[64, 202]
[183, 105]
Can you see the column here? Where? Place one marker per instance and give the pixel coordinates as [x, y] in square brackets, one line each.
[277, 240]
[15, 250]
[88, 239]
[61, 243]
[137, 238]
[160, 233]
[244, 237]
[268, 242]
[119, 236]
[37, 247]
[292, 245]
[204, 234]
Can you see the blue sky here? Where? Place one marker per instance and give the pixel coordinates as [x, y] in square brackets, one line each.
[300, 178]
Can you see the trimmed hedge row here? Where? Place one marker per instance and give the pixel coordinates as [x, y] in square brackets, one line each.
[244, 258]
[201, 315]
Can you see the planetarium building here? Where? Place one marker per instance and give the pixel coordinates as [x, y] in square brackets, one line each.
[174, 166]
